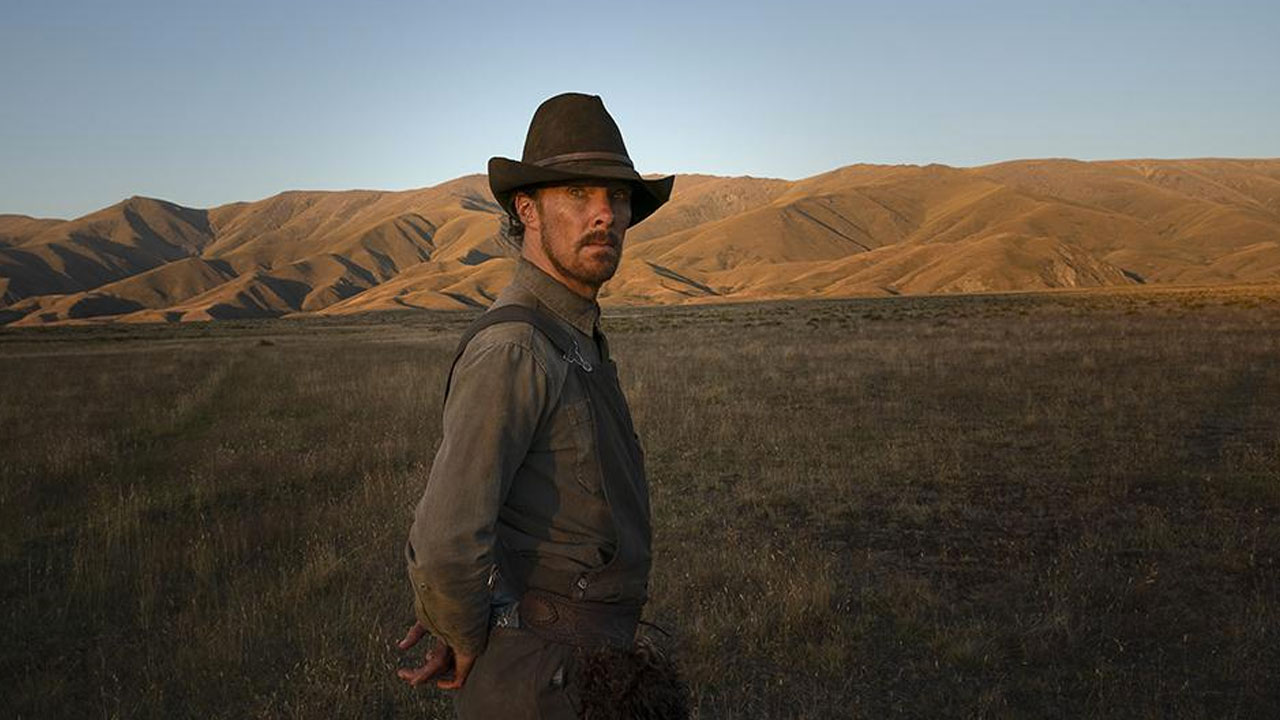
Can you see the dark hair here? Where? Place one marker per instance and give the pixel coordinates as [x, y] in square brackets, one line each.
[512, 226]
[512, 229]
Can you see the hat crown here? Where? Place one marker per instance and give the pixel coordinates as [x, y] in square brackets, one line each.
[573, 127]
[572, 138]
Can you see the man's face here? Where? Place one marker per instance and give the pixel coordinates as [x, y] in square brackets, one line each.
[581, 227]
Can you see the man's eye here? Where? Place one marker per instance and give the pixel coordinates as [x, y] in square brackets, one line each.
[576, 192]
[622, 194]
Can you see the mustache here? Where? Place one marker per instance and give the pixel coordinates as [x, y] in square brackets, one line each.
[602, 237]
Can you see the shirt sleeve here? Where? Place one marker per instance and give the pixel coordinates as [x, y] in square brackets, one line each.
[496, 397]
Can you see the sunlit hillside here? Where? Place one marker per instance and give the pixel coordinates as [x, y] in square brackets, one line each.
[858, 230]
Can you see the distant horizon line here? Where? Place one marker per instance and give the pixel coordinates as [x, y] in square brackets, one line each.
[677, 174]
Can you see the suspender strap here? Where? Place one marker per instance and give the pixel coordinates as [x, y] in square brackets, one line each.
[559, 337]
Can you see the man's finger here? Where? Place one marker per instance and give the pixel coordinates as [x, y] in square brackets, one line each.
[412, 637]
[413, 676]
[418, 675]
[438, 660]
[462, 668]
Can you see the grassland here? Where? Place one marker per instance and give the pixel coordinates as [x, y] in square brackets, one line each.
[1056, 505]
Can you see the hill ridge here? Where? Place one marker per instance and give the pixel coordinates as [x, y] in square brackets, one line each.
[860, 229]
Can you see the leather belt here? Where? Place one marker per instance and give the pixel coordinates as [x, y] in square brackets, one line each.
[579, 622]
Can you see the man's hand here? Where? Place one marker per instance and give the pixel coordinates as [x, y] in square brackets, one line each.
[438, 660]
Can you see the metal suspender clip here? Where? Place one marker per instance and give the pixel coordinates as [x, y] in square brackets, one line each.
[576, 358]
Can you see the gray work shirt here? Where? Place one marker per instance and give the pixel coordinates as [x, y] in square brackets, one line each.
[517, 465]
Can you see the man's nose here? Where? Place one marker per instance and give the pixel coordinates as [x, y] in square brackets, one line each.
[601, 209]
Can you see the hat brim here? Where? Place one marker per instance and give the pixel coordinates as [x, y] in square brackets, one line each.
[507, 176]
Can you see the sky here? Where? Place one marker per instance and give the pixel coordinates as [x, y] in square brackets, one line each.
[204, 103]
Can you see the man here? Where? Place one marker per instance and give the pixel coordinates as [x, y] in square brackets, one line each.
[530, 548]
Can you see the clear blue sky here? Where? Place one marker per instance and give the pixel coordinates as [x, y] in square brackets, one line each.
[204, 103]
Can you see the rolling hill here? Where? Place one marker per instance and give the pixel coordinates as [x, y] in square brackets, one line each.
[857, 230]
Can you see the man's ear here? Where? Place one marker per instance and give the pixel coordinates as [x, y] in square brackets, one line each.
[526, 208]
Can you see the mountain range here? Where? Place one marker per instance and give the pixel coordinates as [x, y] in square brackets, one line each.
[858, 230]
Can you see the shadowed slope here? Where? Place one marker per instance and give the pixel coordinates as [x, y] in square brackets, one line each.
[125, 239]
[157, 288]
[297, 251]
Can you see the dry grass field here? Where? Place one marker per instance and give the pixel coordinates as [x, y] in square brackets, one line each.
[1054, 505]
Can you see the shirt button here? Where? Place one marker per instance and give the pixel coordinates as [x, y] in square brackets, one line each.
[582, 583]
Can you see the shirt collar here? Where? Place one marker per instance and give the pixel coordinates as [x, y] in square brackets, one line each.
[574, 309]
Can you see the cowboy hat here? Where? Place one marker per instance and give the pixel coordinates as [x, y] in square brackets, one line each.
[572, 137]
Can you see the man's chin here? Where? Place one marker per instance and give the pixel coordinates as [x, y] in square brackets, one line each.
[601, 276]
[596, 274]
[601, 264]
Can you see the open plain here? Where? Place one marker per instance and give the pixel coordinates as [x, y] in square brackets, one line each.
[1057, 504]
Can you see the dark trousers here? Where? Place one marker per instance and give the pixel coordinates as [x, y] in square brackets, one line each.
[519, 676]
